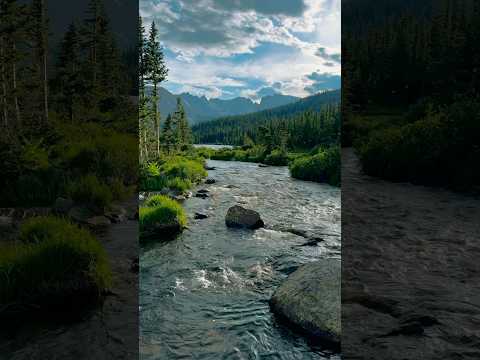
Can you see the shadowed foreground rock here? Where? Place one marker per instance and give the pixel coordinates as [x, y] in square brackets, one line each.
[310, 300]
[240, 217]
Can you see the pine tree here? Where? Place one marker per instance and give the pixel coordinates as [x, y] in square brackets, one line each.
[69, 83]
[156, 72]
[40, 36]
[168, 135]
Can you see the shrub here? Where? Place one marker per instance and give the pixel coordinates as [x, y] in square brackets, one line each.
[184, 169]
[89, 190]
[322, 167]
[160, 209]
[179, 184]
[39, 229]
[57, 264]
[277, 158]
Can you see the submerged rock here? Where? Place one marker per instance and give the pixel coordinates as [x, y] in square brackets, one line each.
[240, 217]
[203, 191]
[263, 165]
[310, 300]
[201, 195]
[210, 181]
[200, 216]
[206, 167]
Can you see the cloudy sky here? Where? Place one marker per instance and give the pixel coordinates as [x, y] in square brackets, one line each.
[251, 48]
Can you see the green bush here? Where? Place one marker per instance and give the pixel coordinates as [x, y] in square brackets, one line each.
[160, 209]
[39, 229]
[185, 169]
[89, 190]
[277, 158]
[179, 184]
[438, 149]
[57, 264]
[322, 167]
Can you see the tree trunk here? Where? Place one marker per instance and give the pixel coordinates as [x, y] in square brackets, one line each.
[155, 114]
[14, 84]
[4, 84]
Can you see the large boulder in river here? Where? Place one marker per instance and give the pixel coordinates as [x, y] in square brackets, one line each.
[240, 217]
[310, 300]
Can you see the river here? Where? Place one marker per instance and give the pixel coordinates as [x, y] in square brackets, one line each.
[205, 294]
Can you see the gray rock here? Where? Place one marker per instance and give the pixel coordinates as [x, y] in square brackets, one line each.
[203, 191]
[160, 232]
[200, 216]
[62, 206]
[210, 181]
[201, 195]
[240, 217]
[310, 300]
[116, 214]
[98, 221]
[81, 214]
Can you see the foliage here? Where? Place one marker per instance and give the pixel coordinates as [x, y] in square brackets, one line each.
[89, 190]
[324, 166]
[52, 266]
[176, 173]
[277, 158]
[438, 149]
[272, 128]
[160, 209]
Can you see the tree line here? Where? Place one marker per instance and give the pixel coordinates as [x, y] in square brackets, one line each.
[301, 130]
[175, 133]
[403, 51]
[87, 77]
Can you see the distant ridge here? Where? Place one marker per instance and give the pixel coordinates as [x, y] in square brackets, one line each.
[200, 109]
[206, 131]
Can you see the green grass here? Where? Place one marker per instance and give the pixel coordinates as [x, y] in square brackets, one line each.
[431, 145]
[89, 190]
[160, 209]
[53, 265]
[324, 166]
[176, 173]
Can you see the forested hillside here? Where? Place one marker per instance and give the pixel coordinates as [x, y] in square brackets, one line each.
[307, 122]
[411, 89]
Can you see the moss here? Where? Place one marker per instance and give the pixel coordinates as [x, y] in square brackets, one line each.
[54, 265]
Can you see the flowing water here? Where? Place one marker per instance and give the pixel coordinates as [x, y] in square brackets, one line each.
[205, 294]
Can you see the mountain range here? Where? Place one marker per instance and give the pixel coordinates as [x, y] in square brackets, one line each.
[200, 109]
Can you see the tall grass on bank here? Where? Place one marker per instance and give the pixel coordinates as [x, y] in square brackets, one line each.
[323, 166]
[177, 173]
[55, 264]
[161, 212]
[434, 146]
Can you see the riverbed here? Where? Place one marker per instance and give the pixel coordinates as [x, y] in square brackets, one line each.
[205, 294]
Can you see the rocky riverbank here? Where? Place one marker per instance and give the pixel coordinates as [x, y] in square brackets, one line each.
[411, 275]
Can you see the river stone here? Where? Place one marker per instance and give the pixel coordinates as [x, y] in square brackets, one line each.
[240, 217]
[62, 206]
[80, 214]
[99, 221]
[200, 216]
[310, 300]
[210, 181]
[201, 195]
